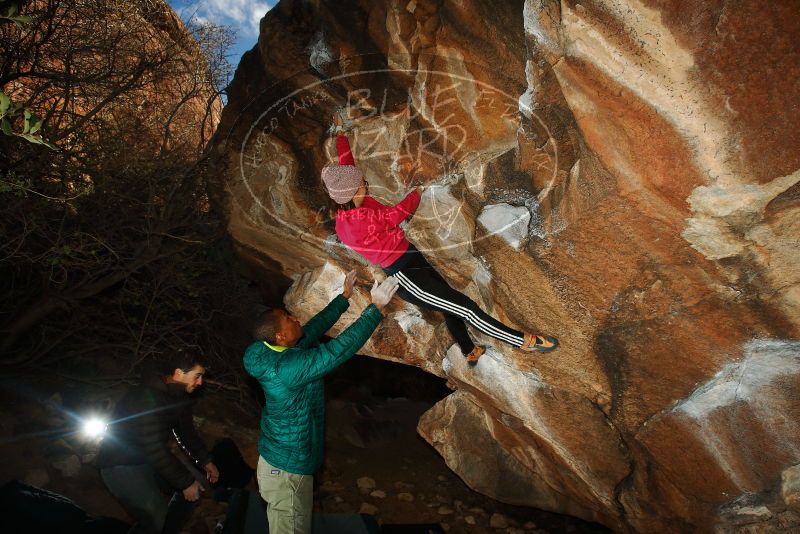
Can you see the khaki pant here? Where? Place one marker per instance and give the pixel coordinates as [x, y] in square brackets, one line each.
[290, 498]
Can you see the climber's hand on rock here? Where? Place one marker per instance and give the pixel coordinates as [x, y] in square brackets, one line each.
[342, 122]
[382, 293]
[349, 281]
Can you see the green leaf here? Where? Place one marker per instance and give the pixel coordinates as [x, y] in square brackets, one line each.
[37, 140]
[5, 103]
[36, 124]
[31, 125]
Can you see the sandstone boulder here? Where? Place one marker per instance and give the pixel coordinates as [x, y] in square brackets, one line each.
[653, 148]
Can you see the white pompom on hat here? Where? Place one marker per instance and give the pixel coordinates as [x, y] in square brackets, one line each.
[342, 182]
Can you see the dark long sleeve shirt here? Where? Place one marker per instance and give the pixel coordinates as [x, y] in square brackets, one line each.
[143, 424]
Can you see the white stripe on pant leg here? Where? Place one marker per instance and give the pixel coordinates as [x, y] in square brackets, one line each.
[467, 315]
[459, 311]
[462, 312]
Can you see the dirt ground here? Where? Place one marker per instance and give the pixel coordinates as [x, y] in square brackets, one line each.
[375, 461]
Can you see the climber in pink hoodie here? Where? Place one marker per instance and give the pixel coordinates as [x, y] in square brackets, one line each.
[373, 230]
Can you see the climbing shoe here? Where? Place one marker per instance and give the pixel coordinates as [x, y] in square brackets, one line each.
[472, 357]
[534, 343]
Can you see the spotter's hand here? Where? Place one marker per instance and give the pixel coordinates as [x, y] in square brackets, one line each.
[349, 282]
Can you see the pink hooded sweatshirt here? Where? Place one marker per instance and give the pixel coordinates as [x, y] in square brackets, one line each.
[372, 228]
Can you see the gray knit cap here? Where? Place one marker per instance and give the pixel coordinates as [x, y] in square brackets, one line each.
[342, 182]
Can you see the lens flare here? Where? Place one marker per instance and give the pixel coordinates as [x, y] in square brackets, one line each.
[94, 427]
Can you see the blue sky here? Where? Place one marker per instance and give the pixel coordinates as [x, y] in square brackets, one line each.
[241, 15]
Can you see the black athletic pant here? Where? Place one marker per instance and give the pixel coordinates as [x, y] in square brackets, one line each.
[420, 284]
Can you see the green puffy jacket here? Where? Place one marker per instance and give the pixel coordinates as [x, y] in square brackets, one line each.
[292, 421]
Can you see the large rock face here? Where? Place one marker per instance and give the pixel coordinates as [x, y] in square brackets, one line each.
[623, 174]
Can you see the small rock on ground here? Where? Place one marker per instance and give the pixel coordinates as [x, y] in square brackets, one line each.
[367, 508]
[498, 521]
[366, 484]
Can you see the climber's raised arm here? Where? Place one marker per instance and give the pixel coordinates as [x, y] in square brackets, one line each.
[343, 150]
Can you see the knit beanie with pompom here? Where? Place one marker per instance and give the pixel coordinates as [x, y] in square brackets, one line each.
[342, 182]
